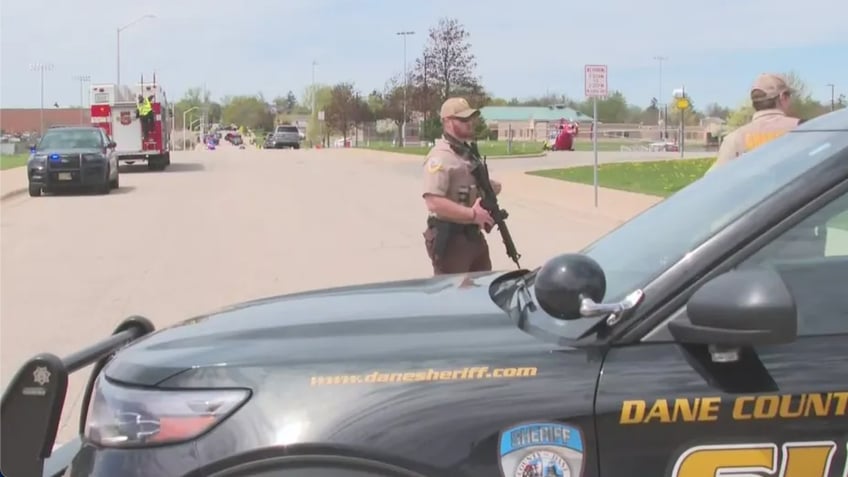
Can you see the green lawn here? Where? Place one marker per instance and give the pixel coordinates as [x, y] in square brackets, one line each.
[487, 148]
[661, 178]
[15, 160]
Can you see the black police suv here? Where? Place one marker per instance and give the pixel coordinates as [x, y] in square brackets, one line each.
[67, 157]
[704, 337]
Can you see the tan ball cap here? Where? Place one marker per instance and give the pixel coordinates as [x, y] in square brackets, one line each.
[457, 108]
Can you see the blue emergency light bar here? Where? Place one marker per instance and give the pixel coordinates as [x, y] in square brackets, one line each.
[54, 157]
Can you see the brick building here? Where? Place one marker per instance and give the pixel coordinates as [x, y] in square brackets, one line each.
[529, 123]
[22, 120]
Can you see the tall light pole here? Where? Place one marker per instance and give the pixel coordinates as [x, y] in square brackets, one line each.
[832, 96]
[184, 124]
[660, 59]
[404, 34]
[82, 80]
[41, 68]
[120, 29]
[314, 121]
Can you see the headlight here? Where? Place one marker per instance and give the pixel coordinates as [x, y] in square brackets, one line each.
[120, 416]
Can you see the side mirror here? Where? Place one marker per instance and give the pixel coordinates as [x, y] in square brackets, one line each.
[572, 286]
[736, 309]
[112, 145]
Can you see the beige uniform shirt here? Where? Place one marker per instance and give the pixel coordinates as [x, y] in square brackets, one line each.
[447, 174]
[764, 126]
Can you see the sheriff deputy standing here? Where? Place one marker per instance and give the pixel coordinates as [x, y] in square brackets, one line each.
[454, 240]
[771, 97]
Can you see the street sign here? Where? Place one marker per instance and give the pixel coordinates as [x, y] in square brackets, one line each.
[320, 115]
[682, 104]
[595, 81]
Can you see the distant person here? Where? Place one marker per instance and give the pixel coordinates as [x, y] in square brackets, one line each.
[771, 98]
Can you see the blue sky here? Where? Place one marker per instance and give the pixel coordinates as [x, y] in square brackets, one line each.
[523, 48]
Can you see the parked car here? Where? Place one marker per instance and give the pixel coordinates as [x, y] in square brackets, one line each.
[286, 136]
[73, 157]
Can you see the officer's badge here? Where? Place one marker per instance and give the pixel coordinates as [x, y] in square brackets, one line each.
[544, 449]
[434, 165]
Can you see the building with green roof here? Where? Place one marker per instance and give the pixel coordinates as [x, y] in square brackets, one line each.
[529, 123]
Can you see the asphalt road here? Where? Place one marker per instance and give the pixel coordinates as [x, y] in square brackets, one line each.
[220, 227]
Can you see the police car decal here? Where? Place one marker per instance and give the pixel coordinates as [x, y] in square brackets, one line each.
[541, 449]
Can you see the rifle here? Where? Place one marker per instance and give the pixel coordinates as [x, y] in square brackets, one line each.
[488, 199]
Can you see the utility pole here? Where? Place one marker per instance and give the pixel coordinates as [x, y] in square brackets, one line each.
[41, 68]
[82, 80]
[404, 34]
[832, 96]
[660, 59]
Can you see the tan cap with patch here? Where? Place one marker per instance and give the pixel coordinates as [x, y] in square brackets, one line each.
[771, 84]
[457, 108]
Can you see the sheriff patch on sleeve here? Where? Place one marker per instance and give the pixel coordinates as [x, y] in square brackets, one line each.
[434, 165]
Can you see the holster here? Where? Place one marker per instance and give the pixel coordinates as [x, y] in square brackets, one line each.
[445, 230]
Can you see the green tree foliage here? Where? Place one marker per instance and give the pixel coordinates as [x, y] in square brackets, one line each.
[195, 98]
[346, 109]
[447, 66]
[249, 111]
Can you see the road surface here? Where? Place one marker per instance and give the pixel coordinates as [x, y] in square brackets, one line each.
[224, 226]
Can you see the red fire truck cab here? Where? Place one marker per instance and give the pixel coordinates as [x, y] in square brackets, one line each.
[113, 109]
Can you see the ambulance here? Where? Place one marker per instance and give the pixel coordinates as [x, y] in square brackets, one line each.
[113, 109]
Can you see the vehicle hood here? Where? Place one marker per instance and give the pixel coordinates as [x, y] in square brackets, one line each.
[415, 319]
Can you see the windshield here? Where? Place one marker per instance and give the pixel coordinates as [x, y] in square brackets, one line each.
[641, 249]
[71, 139]
[289, 129]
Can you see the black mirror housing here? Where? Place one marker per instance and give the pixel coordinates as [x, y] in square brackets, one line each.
[565, 281]
[740, 308]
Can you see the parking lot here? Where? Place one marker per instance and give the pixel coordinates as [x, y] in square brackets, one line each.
[223, 226]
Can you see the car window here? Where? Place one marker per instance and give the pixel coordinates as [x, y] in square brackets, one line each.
[289, 129]
[644, 247]
[812, 258]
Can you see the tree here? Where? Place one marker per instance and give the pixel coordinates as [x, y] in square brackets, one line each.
[251, 112]
[377, 105]
[446, 66]
[195, 98]
[393, 101]
[290, 103]
[322, 96]
[346, 108]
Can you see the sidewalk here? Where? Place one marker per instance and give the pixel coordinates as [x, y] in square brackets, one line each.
[13, 182]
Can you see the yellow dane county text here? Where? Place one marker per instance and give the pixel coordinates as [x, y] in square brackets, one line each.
[429, 375]
[742, 408]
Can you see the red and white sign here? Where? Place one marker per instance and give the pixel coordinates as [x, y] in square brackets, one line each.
[596, 81]
[126, 118]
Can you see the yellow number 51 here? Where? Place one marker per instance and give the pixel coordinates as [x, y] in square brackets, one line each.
[797, 459]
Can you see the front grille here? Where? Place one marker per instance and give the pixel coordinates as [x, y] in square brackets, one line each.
[64, 162]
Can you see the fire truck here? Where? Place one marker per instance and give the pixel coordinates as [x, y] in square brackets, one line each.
[113, 109]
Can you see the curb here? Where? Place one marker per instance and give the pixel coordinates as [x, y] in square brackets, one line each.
[518, 156]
